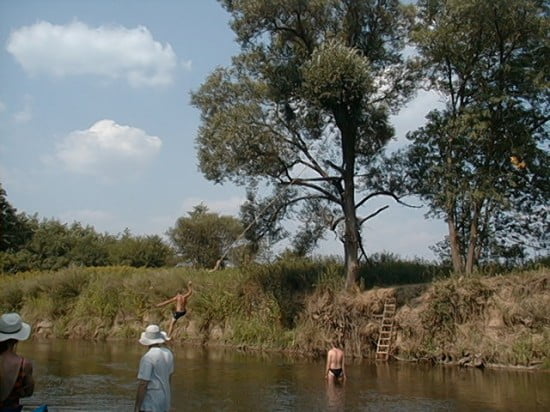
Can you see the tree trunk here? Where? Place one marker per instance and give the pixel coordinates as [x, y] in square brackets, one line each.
[458, 263]
[351, 243]
[473, 241]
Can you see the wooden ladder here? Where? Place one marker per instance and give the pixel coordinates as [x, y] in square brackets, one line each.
[386, 330]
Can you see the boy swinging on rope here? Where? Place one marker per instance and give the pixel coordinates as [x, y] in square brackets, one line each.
[181, 304]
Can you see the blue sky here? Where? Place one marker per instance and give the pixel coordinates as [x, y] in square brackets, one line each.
[96, 125]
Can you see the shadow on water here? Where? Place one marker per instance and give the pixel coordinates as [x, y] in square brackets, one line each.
[101, 376]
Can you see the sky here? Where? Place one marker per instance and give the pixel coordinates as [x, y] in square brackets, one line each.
[96, 124]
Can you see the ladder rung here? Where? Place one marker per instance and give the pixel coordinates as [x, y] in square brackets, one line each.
[386, 327]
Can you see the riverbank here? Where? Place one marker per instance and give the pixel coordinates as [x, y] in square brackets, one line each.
[299, 307]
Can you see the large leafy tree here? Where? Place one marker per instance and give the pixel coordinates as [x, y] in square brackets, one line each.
[481, 163]
[206, 239]
[303, 110]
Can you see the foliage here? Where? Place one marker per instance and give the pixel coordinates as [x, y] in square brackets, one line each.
[286, 279]
[455, 301]
[203, 238]
[139, 251]
[303, 113]
[481, 163]
[260, 307]
[384, 269]
[32, 244]
[15, 228]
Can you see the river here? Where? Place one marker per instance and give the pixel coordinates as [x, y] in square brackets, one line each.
[101, 376]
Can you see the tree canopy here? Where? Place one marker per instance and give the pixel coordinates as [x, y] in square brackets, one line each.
[303, 110]
[481, 163]
[48, 244]
[206, 239]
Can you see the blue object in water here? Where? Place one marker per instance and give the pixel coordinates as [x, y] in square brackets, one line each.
[41, 408]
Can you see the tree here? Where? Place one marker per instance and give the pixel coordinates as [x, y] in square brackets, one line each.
[15, 230]
[139, 251]
[204, 238]
[303, 110]
[481, 163]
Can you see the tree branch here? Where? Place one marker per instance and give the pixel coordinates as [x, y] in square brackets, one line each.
[373, 214]
[384, 193]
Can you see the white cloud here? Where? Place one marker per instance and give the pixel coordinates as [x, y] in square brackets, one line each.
[187, 64]
[76, 49]
[107, 149]
[24, 115]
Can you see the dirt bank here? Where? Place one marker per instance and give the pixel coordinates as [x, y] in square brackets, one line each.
[469, 321]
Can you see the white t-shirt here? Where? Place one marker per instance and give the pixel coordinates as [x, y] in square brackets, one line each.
[156, 366]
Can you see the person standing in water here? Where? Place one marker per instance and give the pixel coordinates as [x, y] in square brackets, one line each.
[335, 369]
[180, 301]
[155, 373]
[16, 380]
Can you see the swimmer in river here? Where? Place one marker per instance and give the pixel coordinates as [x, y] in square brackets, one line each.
[335, 369]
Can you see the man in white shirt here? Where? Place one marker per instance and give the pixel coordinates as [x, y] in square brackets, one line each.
[155, 372]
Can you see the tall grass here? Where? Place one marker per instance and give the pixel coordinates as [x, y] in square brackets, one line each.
[296, 304]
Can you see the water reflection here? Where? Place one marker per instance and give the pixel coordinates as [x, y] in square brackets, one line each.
[86, 376]
[336, 396]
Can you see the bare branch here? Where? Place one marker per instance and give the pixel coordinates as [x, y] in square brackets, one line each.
[384, 193]
[373, 214]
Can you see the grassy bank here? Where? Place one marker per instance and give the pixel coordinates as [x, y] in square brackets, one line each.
[299, 306]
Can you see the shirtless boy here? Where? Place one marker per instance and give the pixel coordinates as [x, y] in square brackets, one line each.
[181, 304]
[335, 370]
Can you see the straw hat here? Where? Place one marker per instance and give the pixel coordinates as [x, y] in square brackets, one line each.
[12, 327]
[153, 335]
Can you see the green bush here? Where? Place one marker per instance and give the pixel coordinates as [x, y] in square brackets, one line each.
[384, 269]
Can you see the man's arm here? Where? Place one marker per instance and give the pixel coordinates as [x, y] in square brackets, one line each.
[189, 290]
[166, 302]
[140, 395]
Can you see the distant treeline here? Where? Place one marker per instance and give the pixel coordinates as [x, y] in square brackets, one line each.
[51, 245]
[30, 243]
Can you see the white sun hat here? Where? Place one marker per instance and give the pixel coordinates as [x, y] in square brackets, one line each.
[12, 327]
[153, 335]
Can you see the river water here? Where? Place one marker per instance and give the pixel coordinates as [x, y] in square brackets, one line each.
[92, 376]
